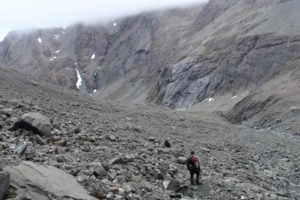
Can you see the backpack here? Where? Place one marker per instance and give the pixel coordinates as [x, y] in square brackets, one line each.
[193, 162]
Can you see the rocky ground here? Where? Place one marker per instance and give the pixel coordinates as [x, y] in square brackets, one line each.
[117, 151]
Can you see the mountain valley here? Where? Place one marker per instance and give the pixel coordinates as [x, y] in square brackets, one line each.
[92, 105]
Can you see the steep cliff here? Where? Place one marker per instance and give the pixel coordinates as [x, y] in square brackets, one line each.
[176, 58]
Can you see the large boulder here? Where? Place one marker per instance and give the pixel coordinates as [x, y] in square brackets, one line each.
[36, 122]
[4, 183]
[45, 182]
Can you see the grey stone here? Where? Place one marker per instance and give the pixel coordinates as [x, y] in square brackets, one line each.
[8, 112]
[111, 138]
[129, 158]
[36, 122]
[158, 174]
[171, 184]
[117, 160]
[40, 140]
[110, 195]
[68, 159]
[127, 188]
[4, 145]
[20, 149]
[181, 160]
[4, 183]
[174, 196]
[99, 170]
[61, 142]
[147, 186]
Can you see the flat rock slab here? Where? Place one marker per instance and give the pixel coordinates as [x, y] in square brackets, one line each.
[44, 182]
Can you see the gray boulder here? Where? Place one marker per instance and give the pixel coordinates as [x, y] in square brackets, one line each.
[181, 160]
[45, 182]
[36, 122]
[4, 183]
[8, 112]
[98, 169]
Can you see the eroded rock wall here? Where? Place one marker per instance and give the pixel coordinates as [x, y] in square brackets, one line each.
[175, 58]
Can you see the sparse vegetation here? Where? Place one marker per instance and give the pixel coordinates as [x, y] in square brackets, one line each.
[10, 193]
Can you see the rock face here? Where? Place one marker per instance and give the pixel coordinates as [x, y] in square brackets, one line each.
[226, 47]
[45, 182]
[184, 86]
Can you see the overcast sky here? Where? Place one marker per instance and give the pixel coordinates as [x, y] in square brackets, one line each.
[24, 14]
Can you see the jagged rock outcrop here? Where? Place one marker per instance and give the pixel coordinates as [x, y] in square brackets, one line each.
[184, 86]
[235, 44]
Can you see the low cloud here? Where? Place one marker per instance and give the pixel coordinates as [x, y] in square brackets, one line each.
[20, 14]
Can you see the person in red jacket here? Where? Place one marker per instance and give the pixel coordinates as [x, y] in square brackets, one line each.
[193, 165]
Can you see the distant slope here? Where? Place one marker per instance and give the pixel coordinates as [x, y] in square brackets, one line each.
[274, 104]
[175, 58]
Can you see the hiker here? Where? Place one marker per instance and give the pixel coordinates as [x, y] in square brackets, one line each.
[193, 166]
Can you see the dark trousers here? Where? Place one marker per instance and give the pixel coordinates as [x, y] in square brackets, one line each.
[197, 172]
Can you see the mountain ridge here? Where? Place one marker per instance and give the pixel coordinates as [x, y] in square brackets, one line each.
[216, 49]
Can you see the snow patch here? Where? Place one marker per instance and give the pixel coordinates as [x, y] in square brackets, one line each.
[75, 63]
[93, 56]
[39, 40]
[52, 58]
[94, 91]
[79, 79]
[56, 37]
[57, 51]
[234, 97]
[210, 99]
[115, 24]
